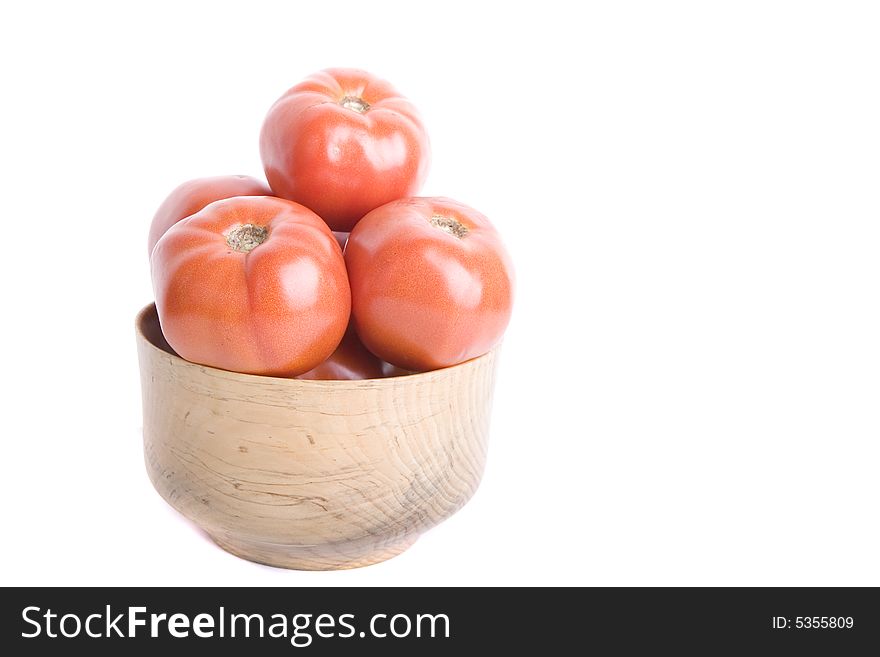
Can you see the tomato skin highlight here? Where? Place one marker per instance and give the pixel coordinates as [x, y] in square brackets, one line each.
[432, 284]
[190, 197]
[252, 284]
[342, 143]
[341, 238]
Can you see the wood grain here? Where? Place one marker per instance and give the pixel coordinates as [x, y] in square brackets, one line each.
[312, 475]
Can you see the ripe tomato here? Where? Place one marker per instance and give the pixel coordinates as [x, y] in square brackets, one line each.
[351, 360]
[389, 370]
[341, 237]
[252, 284]
[191, 196]
[343, 142]
[431, 283]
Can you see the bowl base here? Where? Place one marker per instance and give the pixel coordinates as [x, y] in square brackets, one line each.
[308, 558]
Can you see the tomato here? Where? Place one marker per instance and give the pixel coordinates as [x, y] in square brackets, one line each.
[191, 196]
[252, 284]
[342, 143]
[389, 370]
[431, 283]
[351, 360]
[341, 237]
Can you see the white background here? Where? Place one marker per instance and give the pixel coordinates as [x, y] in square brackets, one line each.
[689, 387]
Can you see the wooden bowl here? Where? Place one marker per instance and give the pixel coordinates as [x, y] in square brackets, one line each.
[313, 475]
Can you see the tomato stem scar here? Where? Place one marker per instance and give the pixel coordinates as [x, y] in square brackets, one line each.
[246, 237]
[355, 104]
[450, 225]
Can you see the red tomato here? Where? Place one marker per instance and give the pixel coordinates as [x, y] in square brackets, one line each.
[389, 370]
[191, 196]
[252, 284]
[343, 142]
[431, 283]
[341, 237]
[351, 360]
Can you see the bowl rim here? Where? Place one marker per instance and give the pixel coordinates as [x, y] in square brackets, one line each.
[150, 309]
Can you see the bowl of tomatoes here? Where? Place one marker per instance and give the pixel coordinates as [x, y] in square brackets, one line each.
[317, 368]
[312, 474]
